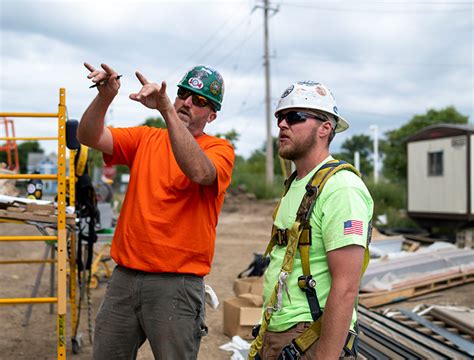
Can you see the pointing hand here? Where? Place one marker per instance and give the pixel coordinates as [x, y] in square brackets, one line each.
[152, 95]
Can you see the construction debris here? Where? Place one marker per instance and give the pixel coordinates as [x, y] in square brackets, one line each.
[384, 337]
[402, 275]
[7, 186]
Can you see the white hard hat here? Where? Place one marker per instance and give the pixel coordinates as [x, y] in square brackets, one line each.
[311, 95]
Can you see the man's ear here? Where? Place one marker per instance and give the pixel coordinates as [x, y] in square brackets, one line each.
[212, 116]
[326, 128]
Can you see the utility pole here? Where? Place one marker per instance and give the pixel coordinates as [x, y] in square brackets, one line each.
[357, 160]
[375, 129]
[269, 154]
[269, 176]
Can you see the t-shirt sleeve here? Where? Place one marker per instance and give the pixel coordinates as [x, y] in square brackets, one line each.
[126, 142]
[347, 212]
[222, 156]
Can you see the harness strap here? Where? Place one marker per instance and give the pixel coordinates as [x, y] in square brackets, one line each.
[312, 334]
[299, 236]
[81, 160]
[273, 304]
[277, 237]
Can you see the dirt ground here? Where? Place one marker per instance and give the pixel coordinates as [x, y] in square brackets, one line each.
[243, 229]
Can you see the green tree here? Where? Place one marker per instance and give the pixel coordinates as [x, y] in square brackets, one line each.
[23, 150]
[157, 122]
[362, 144]
[232, 136]
[394, 147]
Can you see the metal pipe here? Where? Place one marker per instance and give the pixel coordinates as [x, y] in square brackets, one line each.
[28, 238]
[16, 301]
[29, 176]
[29, 115]
[25, 261]
[30, 138]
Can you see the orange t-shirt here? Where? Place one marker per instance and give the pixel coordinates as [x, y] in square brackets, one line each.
[167, 222]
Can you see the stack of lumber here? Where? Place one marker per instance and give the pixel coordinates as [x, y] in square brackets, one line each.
[20, 209]
[401, 337]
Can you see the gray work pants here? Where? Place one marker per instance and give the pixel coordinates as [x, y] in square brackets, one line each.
[166, 309]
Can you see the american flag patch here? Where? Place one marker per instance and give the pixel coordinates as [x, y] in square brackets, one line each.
[353, 227]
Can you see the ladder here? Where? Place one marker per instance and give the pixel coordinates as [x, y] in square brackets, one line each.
[61, 229]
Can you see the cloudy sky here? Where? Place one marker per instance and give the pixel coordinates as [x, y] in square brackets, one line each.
[385, 61]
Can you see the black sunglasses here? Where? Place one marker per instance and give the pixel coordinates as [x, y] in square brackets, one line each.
[198, 100]
[293, 117]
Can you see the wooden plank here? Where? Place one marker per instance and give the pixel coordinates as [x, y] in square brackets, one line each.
[32, 207]
[387, 297]
[27, 216]
[463, 322]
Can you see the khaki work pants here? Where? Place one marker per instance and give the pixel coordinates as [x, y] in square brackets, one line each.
[274, 342]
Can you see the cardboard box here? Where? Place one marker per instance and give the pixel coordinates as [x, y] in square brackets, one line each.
[249, 285]
[241, 314]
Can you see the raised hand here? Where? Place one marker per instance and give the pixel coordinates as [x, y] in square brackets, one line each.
[152, 95]
[107, 80]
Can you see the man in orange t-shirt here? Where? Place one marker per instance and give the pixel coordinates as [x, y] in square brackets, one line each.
[164, 240]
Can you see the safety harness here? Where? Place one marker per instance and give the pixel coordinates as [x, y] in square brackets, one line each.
[299, 237]
[89, 216]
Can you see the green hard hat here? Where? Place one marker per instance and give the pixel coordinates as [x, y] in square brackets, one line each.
[206, 81]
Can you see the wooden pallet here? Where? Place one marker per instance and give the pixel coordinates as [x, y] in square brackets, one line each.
[402, 294]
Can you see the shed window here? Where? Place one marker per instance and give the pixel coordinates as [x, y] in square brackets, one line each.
[435, 163]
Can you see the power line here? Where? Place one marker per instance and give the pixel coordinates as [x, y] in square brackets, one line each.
[218, 44]
[361, 61]
[389, 11]
[238, 45]
[205, 43]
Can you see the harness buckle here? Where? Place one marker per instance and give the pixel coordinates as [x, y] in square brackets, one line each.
[282, 237]
[306, 282]
[311, 190]
[290, 352]
[351, 344]
[256, 330]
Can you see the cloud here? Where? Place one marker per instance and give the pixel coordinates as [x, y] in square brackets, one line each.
[384, 62]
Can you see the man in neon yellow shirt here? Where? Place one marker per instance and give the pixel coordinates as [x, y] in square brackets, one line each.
[340, 220]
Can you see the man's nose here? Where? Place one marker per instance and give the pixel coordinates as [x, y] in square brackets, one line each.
[282, 124]
[188, 101]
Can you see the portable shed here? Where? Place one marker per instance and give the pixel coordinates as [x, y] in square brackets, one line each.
[441, 176]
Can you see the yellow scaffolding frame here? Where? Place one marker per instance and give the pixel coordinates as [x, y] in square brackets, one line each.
[61, 237]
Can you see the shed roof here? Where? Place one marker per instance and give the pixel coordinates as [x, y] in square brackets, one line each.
[442, 131]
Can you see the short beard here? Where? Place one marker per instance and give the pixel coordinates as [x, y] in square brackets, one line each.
[291, 154]
[300, 149]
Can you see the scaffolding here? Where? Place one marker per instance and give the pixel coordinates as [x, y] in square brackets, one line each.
[61, 226]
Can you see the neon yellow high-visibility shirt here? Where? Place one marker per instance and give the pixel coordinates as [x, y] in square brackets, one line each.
[340, 218]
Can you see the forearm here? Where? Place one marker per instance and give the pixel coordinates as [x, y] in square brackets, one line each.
[92, 131]
[188, 154]
[336, 321]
